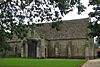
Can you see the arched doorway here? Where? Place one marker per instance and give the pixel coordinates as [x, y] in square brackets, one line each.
[32, 49]
[98, 52]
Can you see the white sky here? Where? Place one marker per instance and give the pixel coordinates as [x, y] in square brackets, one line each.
[74, 15]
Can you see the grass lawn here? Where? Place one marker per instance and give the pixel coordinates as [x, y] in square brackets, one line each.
[21, 62]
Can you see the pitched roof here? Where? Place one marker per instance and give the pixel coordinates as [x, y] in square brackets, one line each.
[69, 29]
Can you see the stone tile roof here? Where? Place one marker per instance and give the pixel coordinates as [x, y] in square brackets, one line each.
[69, 29]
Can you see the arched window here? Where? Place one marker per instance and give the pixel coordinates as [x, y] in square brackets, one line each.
[57, 49]
[16, 50]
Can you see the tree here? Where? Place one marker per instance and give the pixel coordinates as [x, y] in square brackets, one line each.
[94, 26]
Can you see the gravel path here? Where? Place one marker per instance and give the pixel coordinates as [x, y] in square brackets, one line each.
[92, 63]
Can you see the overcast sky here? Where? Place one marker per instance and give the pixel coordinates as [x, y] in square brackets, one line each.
[74, 15]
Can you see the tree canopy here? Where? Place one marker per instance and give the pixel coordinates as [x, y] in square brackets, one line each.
[94, 25]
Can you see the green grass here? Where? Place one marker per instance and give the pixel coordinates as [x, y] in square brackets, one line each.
[21, 62]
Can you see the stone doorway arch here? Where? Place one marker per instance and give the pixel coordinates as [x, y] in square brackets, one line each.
[98, 52]
[32, 49]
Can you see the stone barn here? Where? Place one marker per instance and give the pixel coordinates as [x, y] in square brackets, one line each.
[71, 41]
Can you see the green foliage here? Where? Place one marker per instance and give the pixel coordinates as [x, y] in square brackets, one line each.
[95, 31]
[94, 26]
[4, 45]
[94, 2]
[57, 25]
[41, 8]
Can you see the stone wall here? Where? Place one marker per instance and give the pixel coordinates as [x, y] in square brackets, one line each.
[15, 49]
[76, 48]
[70, 42]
